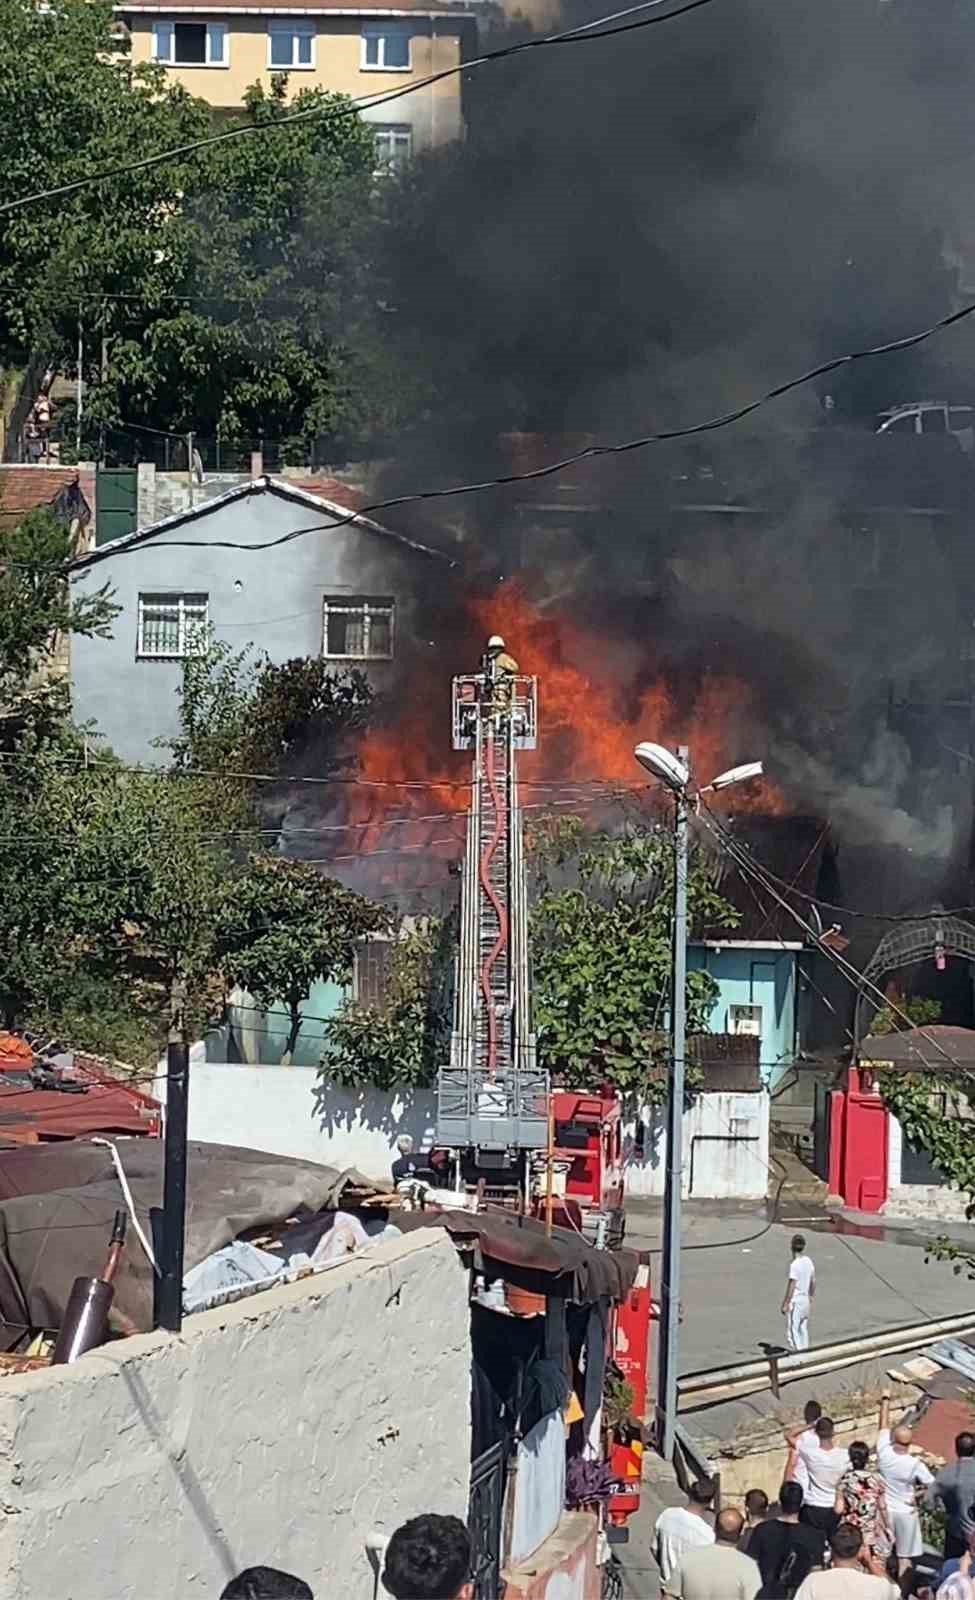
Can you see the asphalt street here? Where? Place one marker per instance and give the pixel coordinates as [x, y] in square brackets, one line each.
[733, 1274]
[869, 1276]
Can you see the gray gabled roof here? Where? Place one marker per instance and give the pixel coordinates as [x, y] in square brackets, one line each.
[341, 516]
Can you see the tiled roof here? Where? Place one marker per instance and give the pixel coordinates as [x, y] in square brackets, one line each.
[297, 491]
[333, 489]
[24, 489]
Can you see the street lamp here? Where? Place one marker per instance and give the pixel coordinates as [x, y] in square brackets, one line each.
[673, 770]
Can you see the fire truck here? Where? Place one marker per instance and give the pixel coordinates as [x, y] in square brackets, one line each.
[499, 1126]
[502, 1131]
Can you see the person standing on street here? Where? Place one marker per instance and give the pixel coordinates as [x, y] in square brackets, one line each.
[719, 1571]
[799, 1291]
[784, 1548]
[681, 1528]
[903, 1474]
[756, 1511]
[862, 1500]
[846, 1578]
[795, 1467]
[825, 1462]
[954, 1486]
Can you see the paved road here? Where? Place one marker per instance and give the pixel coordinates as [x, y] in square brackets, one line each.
[734, 1270]
[868, 1277]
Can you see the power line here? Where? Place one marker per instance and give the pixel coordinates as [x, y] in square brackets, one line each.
[584, 34]
[857, 980]
[590, 453]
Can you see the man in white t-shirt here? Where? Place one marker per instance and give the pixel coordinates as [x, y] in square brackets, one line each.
[799, 1291]
[825, 1462]
[846, 1578]
[903, 1473]
[681, 1528]
[795, 1466]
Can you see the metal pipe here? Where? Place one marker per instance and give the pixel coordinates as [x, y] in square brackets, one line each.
[670, 1266]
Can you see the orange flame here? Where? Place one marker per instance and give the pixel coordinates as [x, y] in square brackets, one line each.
[591, 714]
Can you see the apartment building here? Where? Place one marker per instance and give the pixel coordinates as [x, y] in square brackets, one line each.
[359, 48]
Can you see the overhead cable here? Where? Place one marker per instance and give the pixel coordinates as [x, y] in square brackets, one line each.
[591, 453]
[584, 34]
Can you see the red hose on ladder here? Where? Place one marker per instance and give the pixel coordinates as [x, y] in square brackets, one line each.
[489, 890]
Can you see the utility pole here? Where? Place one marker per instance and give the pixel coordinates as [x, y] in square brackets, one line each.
[670, 1265]
[169, 1295]
[189, 467]
[80, 404]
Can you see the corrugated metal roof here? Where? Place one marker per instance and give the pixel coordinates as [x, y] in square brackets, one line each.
[104, 1105]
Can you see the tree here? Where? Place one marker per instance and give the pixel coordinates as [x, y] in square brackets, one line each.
[602, 953]
[400, 1043]
[285, 926]
[601, 962]
[240, 715]
[38, 611]
[268, 250]
[72, 104]
[214, 291]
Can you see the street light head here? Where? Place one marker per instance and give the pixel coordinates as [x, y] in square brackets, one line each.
[750, 769]
[664, 765]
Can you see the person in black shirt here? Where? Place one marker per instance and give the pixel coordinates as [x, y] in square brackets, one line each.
[407, 1165]
[785, 1549]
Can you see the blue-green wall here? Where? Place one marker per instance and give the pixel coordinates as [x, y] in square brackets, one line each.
[754, 976]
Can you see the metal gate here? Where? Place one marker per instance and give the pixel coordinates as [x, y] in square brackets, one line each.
[116, 500]
[484, 1521]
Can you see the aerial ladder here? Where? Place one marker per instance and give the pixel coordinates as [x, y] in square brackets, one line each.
[492, 1098]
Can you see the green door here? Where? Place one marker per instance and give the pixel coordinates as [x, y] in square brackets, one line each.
[115, 503]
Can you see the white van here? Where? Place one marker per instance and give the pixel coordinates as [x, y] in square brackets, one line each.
[931, 416]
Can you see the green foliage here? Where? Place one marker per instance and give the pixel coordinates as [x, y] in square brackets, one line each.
[905, 1011]
[71, 103]
[245, 715]
[601, 955]
[602, 960]
[285, 926]
[37, 611]
[401, 1043]
[224, 283]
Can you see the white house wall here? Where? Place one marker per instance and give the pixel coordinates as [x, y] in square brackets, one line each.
[725, 1149]
[286, 1110]
[280, 1430]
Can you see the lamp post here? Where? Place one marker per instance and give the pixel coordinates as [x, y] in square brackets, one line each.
[673, 770]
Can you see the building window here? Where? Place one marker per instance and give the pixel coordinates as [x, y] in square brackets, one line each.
[190, 44]
[172, 626]
[394, 145]
[745, 1019]
[385, 47]
[358, 628]
[290, 45]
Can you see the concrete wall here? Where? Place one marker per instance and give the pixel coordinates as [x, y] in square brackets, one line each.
[271, 598]
[288, 1111]
[726, 1149]
[279, 1430]
[758, 973]
[563, 1568]
[434, 113]
[917, 1199]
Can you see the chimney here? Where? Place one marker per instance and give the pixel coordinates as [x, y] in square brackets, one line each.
[257, 464]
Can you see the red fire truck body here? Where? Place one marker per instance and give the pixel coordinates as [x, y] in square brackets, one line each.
[589, 1136]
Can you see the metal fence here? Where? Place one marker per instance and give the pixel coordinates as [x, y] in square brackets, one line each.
[484, 1521]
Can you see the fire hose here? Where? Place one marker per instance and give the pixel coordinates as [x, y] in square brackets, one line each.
[490, 891]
